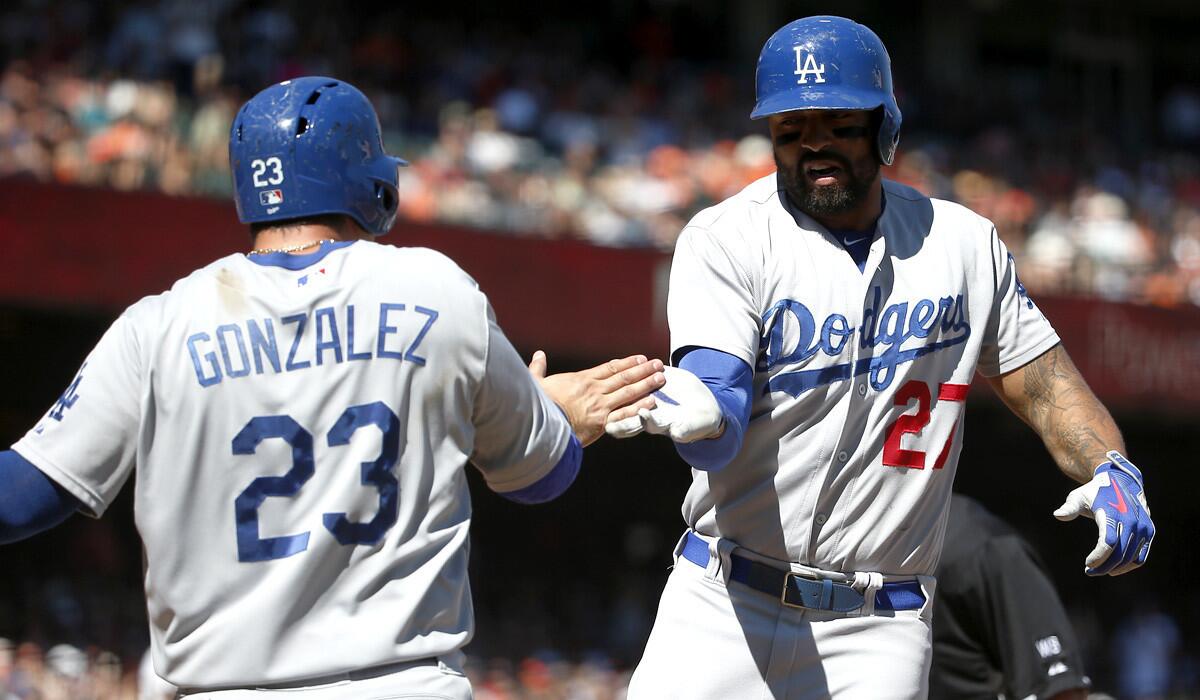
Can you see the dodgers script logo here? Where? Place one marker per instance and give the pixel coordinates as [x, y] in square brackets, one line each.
[940, 323]
[806, 65]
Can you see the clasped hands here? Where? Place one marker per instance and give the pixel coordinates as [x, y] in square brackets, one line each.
[628, 396]
[589, 397]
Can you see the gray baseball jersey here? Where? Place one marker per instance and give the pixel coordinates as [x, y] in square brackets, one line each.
[299, 426]
[860, 378]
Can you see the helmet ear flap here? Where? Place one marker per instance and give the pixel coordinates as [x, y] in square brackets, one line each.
[885, 136]
[387, 197]
[381, 203]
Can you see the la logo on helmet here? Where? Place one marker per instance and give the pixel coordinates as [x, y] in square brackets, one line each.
[806, 65]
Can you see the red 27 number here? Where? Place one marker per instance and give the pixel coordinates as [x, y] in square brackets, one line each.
[896, 456]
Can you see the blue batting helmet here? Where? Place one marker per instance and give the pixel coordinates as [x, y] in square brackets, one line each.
[312, 146]
[828, 63]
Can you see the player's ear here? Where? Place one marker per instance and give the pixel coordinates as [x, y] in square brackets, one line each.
[349, 228]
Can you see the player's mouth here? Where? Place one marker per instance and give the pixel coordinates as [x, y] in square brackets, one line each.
[823, 172]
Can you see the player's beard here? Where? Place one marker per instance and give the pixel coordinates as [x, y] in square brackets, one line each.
[825, 200]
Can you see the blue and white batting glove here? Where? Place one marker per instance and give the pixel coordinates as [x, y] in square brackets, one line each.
[685, 411]
[1116, 500]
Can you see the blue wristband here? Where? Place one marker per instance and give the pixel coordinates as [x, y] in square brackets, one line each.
[554, 483]
[731, 381]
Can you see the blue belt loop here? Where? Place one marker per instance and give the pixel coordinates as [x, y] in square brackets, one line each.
[826, 594]
[695, 550]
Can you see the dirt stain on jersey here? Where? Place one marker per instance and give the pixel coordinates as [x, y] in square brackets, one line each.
[229, 291]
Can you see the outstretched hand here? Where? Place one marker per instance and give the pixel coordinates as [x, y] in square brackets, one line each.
[1116, 500]
[590, 395]
[687, 411]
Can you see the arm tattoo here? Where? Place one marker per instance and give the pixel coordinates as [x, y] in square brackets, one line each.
[1056, 401]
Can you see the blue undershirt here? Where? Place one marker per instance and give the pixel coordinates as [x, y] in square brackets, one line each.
[290, 261]
[856, 243]
[556, 482]
[30, 502]
[731, 381]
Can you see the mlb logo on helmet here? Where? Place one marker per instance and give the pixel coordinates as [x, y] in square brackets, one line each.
[269, 197]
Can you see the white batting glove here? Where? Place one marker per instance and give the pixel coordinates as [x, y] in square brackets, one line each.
[686, 411]
[1115, 499]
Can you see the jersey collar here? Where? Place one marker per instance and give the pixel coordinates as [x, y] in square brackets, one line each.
[297, 262]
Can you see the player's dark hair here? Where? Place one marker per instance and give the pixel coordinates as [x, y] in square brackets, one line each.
[334, 221]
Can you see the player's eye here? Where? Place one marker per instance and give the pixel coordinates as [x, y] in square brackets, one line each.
[787, 137]
[849, 132]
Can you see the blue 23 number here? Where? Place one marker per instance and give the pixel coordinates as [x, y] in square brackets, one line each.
[377, 473]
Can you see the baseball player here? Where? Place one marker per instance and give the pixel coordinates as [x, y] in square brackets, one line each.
[299, 417]
[825, 326]
[999, 628]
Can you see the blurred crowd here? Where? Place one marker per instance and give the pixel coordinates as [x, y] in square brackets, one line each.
[66, 672]
[547, 677]
[80, 638]
[1146, 655]
[541, 134]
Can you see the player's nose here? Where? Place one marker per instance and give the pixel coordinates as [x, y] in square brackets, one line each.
[815, 136]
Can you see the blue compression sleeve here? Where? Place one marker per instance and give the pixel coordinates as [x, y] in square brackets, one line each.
[30, 501]
[731, 380]
[555, 483]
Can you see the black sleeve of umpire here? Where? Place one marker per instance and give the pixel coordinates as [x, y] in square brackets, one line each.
[1036, 647]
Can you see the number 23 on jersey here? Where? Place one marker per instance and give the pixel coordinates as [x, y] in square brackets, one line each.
[376, 474]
